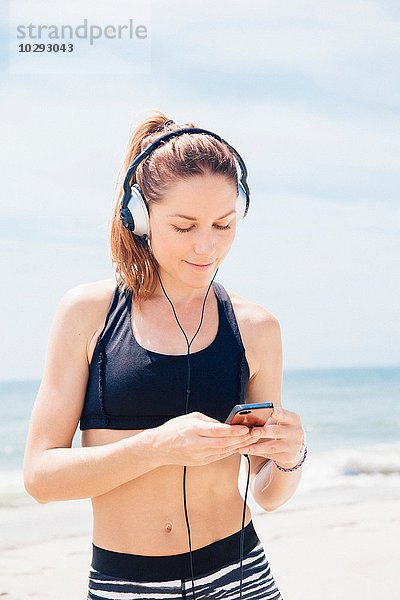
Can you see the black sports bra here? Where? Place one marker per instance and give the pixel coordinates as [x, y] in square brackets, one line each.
[130, 387]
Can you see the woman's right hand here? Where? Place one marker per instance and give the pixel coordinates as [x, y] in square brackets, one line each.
[195, 439]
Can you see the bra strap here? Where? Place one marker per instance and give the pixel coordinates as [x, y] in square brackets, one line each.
[244, 369]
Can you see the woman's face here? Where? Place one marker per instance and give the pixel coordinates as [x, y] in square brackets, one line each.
[205, 236]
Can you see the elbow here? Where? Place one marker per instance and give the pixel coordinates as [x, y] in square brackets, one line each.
[266, 501]
[39, 499]
[261, 502]
[31, 487]
[270, 509]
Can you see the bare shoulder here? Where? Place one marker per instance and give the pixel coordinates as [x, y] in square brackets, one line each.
[250, 314]
[90, 297]
[88, 304]
[256, 325]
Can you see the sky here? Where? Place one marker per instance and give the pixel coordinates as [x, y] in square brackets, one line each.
[307, 92]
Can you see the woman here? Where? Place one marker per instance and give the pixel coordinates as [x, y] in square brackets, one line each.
[116, 363]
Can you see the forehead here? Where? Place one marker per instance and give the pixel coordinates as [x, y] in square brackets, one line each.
[209, 193]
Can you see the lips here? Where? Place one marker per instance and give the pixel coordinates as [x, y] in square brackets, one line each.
[199, 265]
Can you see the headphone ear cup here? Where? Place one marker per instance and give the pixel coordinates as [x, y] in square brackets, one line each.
[135, 216]
[242, 202]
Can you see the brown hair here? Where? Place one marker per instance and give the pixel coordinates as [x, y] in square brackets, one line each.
[181, 157]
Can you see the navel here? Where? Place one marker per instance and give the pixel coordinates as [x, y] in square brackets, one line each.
[168, 526]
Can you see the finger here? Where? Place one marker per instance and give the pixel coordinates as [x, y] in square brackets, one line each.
[284, 416]
[275, 432]
[265, 448]
[234, 442]
[204, 417]
[222, 430]
[225, 451]
[219, 455]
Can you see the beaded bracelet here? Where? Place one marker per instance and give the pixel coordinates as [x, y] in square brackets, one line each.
[296, 466]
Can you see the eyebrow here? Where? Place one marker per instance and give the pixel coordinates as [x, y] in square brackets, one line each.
[194, 218]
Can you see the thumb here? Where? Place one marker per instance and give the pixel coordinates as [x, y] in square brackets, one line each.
[204, 417]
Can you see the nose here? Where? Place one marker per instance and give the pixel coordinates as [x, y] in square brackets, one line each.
[204, 244]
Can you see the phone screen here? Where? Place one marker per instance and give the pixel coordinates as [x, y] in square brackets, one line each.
[251, 415]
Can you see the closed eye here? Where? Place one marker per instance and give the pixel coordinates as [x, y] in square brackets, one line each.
[189, 228]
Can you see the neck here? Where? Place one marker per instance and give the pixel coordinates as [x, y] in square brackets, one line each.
[184, 297]
[179, 293]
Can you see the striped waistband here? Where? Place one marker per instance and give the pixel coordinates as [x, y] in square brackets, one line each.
[138, 567]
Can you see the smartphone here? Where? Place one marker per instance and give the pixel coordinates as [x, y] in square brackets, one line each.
[251, 415]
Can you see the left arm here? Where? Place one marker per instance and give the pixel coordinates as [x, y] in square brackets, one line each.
[271, 487]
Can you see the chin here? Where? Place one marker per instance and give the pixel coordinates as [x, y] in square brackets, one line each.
[198, 280]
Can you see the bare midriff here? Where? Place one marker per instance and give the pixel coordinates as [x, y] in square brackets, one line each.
[146, 515]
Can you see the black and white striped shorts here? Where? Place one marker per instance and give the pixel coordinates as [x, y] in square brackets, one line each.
[216, 568]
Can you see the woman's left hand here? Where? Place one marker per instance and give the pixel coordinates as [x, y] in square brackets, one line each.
[286, 445]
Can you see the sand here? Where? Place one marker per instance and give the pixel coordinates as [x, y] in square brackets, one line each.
[336, 544]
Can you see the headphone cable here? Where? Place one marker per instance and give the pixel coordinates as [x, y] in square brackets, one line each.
[186, 411]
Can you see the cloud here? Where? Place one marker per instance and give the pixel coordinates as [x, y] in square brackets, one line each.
[341, 48]
[305, 92]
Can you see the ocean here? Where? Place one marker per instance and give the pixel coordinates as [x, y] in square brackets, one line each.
[351, 417]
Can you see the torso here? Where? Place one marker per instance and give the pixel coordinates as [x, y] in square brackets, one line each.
[146, 515]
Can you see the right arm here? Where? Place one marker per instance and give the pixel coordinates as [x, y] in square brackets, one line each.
[53, 470]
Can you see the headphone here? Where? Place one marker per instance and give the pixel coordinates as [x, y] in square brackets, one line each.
[134, 211]
[134, 215]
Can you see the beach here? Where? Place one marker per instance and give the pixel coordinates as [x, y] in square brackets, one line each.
[338, 543]
[337, 537]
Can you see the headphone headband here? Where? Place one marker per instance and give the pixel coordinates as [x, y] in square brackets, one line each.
[126, 215]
